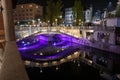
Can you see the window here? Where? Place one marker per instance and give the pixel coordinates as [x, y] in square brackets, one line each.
[23, 10]
[36, 6]
[30, 9]
[30, 5]
[22, 6]
[26, 9]
[27, 14]
[30, 14]
[19, 14]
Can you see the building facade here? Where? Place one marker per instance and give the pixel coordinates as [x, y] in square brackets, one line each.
[68, 17]
[26, 12]
[88, 15]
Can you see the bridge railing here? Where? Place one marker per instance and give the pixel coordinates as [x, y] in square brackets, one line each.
[24, 31]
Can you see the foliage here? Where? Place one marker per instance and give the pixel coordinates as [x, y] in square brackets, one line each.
[53, 11]
[118, 11]
[78, 11]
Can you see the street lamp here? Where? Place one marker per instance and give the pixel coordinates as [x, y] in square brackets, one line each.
[56, 21]
[28, 23]
[38, 20]
[79, 22]
[48, 21]
[33, 22]
[75, 22]
[39, 24]
[48, 25]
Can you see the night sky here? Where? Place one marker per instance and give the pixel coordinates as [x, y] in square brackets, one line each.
[97, 4]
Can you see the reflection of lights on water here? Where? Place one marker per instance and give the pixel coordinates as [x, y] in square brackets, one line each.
[24, 48]
[54, 44]
[54, 63]
[78, 64]
[35, 54]
[37, 39]
[57, 68]
[63, 44]
[57, 50]
[41, 70]
[74, 61]
[37, 64]
[41, 54]
[90, 61]
[23, 42]
[69, 57]
[62, 49]
[34, 41]
[28, 42]
[62, 60]
[45, 64]
[27, 62]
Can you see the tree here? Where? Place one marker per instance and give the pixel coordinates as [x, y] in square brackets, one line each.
[53, 11]
[118, 11]
[58, 11]
[78, 12]
[49, 11]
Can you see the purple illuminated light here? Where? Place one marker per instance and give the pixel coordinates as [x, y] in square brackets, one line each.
[40, 41]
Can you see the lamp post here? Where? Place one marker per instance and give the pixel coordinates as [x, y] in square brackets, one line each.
[18, 23]
[38, 24]
[48, 25]
[56, 23]
[38, 20]
[75, 22]
[79, 22]
[33, 22]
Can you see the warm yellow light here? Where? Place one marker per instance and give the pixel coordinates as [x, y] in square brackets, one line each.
[27, 62]
[69, 57]
[62, 60]
[45, 64]
[37, 64]
[54, 63]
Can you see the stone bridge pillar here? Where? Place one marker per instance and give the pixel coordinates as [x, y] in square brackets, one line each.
[12, 65]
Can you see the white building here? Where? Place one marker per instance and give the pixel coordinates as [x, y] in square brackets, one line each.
[88, 15]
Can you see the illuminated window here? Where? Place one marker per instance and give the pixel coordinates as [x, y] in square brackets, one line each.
[30, 5]
[21, 6]
[36, 6]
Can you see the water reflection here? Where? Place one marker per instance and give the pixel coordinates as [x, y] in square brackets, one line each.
[85, 63]
[73, 55]
[106, 61]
